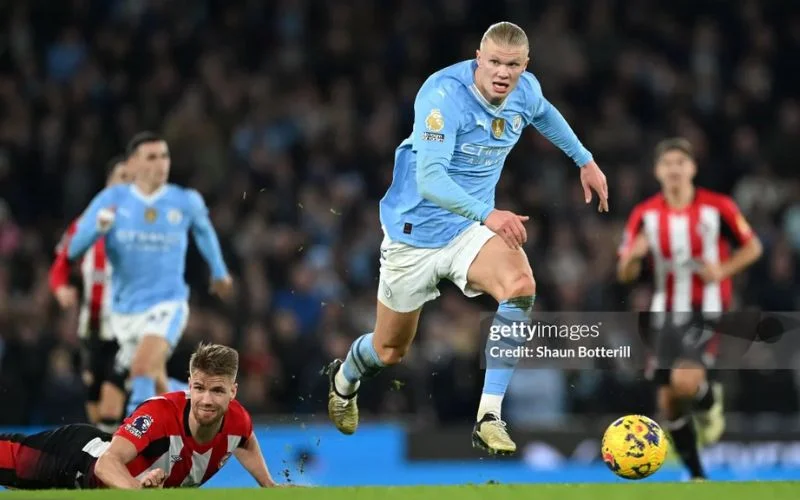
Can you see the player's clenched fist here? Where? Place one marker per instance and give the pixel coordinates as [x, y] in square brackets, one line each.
[105, 219]
[508, 226]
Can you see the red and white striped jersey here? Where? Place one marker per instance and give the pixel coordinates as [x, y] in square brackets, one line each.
[96, 275]
[681, 241]
[159, 428]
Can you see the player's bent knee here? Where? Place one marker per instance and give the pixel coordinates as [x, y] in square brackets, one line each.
[391, 355]
[520, 285]
[685, 382]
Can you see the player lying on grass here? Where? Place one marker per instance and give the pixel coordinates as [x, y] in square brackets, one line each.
[175, 440]
[688, 231]
[440, 222]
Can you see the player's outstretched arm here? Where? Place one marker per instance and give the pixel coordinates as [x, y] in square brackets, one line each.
[96, 220]
[111, 466]
[208, 244]
[552, 124]
[253, 462]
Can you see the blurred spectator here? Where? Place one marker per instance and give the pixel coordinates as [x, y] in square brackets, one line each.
[285, 115]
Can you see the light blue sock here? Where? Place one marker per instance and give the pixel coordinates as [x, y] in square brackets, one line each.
[362, 361]
[499, 370]
[175, 385]
[142, 389]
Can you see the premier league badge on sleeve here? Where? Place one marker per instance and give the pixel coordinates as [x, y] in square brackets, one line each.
[140, 425]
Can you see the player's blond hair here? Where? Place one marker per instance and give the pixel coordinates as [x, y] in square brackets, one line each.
[506, 34]
[215, 360]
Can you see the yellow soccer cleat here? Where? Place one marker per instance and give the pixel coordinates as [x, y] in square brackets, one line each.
[490, 435]
[710, 424]
[342, 410]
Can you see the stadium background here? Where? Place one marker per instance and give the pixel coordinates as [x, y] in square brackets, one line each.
[285, 115]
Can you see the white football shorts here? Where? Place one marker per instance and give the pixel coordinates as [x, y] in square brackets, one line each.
[167, 320]
[409, 276]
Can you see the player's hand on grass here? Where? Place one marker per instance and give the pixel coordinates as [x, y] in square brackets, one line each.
[66, 296]
[154, 479]
[508, 226]
[105, 219]
[592, 178]
[223, 288]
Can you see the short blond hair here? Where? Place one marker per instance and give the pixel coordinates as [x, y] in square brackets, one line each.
[506, 34]
[215, 360]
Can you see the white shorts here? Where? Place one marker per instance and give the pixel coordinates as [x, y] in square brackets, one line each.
[409, 276]
[167, 320]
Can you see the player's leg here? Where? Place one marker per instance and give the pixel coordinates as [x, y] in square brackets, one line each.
[90, 380]
[109, 387]
[162, 329]
[677, 388]
[407, 280]
[709, 411]
[506, 275]
[9, 450]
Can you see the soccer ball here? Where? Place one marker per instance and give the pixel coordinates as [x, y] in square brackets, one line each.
[634, 447]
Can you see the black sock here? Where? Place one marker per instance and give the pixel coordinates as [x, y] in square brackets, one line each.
[704, 399]
[685, 441]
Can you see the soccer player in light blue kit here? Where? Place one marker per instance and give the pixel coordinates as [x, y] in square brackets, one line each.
[146, 226]
[440, 222]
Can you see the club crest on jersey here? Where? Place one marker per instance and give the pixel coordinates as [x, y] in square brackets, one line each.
[150, 214]
[140, 425]
[516, 123]
[435, 121]
[498, 127]
[174, 217]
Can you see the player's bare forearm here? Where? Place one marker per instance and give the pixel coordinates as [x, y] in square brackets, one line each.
[742, 258]
[111, 470]
[629, 266]
[628, 270]
[253, 462]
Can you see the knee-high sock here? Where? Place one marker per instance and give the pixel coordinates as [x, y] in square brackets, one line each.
[499, 370]
[362, 361]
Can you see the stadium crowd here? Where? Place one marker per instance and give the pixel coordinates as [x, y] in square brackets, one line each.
[285, 115]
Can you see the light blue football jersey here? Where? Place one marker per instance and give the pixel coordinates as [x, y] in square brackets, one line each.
[455, 124]
[148, 241]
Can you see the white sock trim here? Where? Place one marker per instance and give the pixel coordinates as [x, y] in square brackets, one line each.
[344, 386]
[490, 403]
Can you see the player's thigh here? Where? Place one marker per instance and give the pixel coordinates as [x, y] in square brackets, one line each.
[163, 328]
[408, 279]
[394, 333]
[146, 339]
[483, 263]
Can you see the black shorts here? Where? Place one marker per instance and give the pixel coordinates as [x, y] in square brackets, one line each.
[682, 337]
[60, 458]
[97, 358]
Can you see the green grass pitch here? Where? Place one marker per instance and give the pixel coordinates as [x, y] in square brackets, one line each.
[623, 491]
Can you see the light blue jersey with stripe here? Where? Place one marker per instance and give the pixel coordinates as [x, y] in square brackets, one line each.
[148, 241]
[446, 172]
